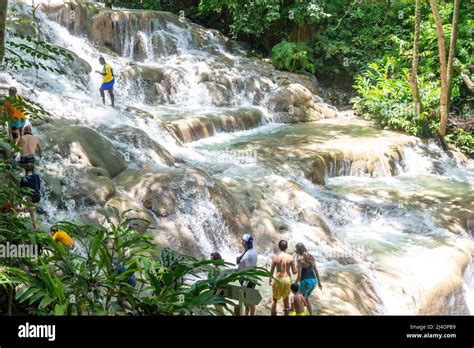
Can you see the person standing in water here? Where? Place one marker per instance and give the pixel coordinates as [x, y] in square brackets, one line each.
[298, 302]
[108, 80]
[17, 119]
[283, 263]
[307, 274]
[29, 144]
[32, 185]
[247, 260]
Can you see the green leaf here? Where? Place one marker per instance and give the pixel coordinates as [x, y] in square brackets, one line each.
[60, 309]
[45, 302]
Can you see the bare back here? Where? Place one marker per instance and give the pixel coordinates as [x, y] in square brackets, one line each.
[299, 303]
[283, 263]
[28, 144]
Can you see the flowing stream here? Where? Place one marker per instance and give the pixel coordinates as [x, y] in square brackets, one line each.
[196, 124]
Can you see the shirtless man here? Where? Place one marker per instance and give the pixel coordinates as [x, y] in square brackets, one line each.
[283, 263]
[29, 144]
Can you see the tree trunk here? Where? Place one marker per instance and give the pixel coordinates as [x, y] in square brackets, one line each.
[413, 75]
[443, 104]
[452, 49]
[108, 3]
[3, 19]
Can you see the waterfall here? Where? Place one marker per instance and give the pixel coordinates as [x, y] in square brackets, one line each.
[207, 153]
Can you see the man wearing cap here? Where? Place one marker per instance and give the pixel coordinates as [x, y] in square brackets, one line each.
[248, 260]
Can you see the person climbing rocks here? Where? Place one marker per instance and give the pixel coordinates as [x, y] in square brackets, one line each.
[307, 274]
[32, 183]
[108, 80]
[298, 302]
[283, 262]
[247, 260]
[217, 269]
[29, 144]
[63, 238]
[17, 119]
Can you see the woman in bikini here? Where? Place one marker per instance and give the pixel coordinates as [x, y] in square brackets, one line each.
[307, 274]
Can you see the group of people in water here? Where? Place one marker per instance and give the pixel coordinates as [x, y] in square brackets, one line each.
[283, 266]
[295, 294]
[30, 145]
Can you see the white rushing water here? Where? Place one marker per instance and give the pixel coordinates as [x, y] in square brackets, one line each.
[373, 229]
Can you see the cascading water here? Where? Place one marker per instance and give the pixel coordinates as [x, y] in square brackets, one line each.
[374, 235]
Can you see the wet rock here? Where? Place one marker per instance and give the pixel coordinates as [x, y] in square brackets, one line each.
[199, 127]
[220, 95]
[89, 189]
[331, 147]
[140, 140]
[295, 103]
[159, 84]
[74, 15]
[83, 144]
[135, 211]
[203, 73]
[161, 192]
[112, 29]
[54, 186]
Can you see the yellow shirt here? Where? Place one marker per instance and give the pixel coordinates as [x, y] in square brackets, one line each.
[12, 111]
[63, 238]
[108, 73]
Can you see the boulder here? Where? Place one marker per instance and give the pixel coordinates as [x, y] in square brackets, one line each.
[159, 84]
[89, 189]
[54, 186]
[83, 144]
[139, 140]
[220, 95]
[163, 192]
[295, 103]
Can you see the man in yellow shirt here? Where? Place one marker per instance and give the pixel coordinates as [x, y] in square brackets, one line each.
[63, 238]
[108, 80]
[17, 118]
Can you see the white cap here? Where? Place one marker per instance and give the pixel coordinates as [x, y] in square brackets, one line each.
[247, 237]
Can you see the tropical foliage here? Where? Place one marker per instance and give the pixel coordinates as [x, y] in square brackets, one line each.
[87, 281]
[95, 278]
[347, 41]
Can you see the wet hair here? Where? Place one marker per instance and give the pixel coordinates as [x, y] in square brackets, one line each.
[295, 287]
[216, 256]
[283, 245]
[301, 251]
[12, 91]
[29, 167]
[54, 229]
[101, 58]
[27, 130]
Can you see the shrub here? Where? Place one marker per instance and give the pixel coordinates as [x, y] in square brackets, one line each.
[292, 56]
